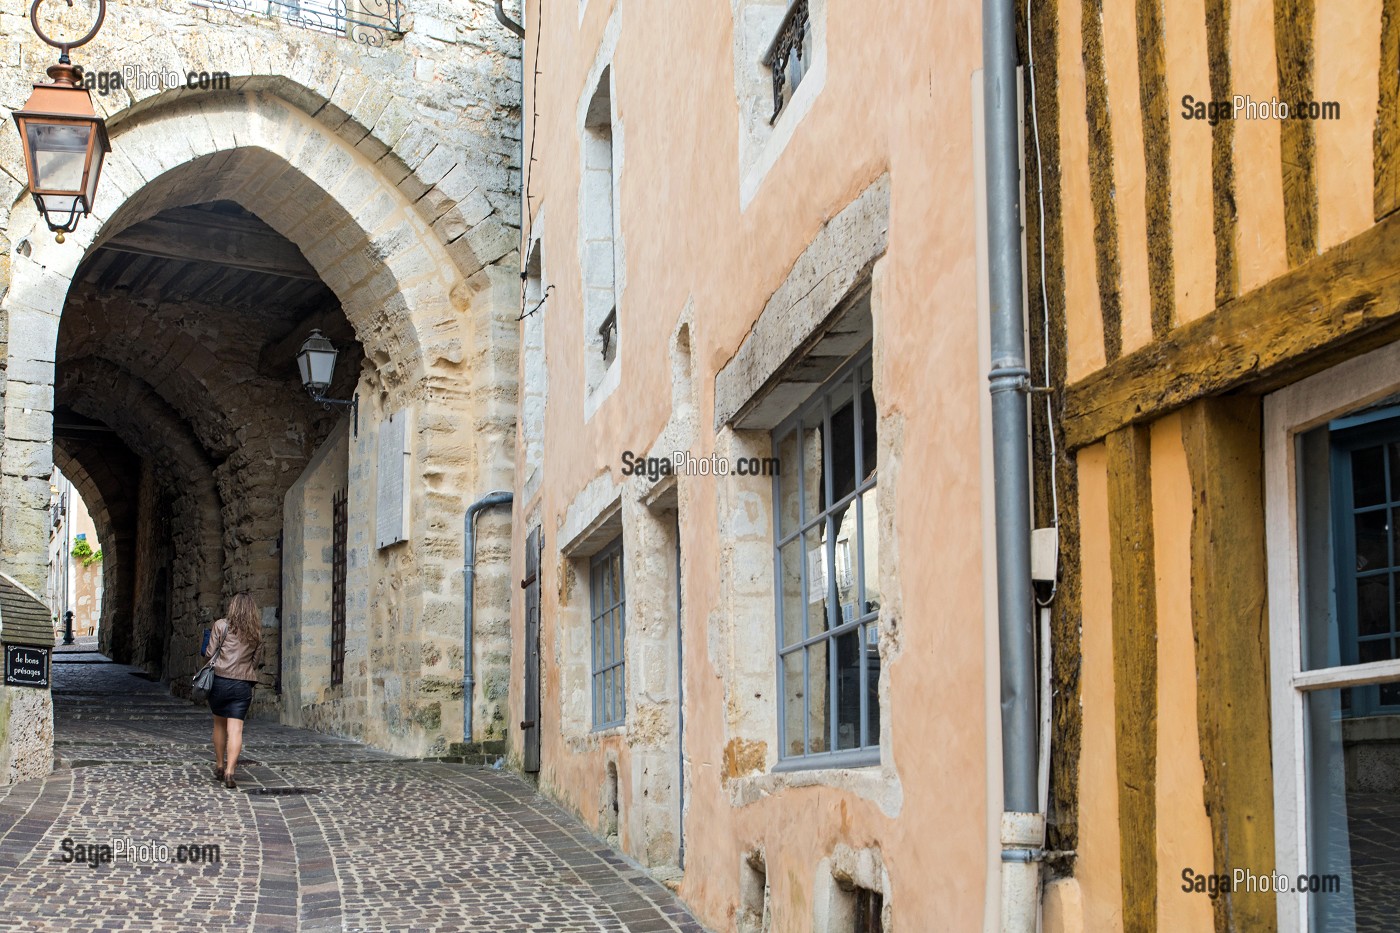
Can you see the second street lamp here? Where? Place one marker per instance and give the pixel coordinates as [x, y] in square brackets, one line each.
[316, 361]
[64, 139]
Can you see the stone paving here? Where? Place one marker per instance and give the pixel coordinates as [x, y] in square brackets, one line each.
[382, 844]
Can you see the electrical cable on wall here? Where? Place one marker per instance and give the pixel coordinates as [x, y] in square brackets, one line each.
[1044, 289]
[528, 168]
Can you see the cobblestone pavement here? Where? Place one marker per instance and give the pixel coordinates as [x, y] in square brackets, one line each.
[384, 844]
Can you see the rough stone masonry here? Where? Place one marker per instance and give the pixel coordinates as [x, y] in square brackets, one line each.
[395, 171]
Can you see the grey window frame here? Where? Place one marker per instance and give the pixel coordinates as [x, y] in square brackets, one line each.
[867, 752]
[608, 642]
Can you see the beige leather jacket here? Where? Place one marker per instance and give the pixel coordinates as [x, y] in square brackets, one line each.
[237, 660]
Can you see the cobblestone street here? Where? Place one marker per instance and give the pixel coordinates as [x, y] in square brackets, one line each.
[382, 843]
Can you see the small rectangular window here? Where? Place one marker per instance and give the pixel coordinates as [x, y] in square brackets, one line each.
[607, 612]
[789, 55]
[828, 594]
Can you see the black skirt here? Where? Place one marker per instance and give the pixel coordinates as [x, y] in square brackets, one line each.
[230, 698]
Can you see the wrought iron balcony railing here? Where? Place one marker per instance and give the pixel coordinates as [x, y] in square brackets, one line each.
[369, 22]
[787, 54]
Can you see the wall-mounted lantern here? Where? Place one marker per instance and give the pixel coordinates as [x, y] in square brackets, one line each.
[316, 360]
[64, 139]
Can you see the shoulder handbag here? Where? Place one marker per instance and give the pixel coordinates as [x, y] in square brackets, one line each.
[204, 680]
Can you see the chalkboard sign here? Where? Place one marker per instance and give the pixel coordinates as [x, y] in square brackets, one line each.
[26, 666]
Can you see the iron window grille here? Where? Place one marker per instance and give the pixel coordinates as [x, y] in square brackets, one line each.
[339, 538]
[608, 331]
[788, 55]
[368, 22]
[828, 614]
[607, 611]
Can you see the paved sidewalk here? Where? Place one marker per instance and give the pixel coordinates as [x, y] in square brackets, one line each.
[382, 843]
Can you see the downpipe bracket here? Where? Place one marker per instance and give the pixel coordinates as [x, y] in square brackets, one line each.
[1010, 379]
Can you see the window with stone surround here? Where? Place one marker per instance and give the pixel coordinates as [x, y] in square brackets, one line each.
[598, 231]
[607, 604]
[828, 598]
[789, 54]
[779, 70]
[534, 389]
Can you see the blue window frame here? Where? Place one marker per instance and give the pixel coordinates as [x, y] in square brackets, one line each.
[826, 561]
[1366, 533]
[607, 611]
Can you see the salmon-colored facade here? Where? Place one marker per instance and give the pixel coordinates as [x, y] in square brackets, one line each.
[728, 230]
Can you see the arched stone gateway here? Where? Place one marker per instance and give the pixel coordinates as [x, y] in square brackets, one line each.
[415, 240]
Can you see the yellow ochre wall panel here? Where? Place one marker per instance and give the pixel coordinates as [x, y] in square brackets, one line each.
[1098, 866]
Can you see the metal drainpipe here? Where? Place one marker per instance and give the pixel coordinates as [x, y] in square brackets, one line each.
[1022, 825]
[468, 598]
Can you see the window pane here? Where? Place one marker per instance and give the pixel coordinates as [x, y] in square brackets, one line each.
[1322, 577]
[847, 595]
[1353, 786]
[848, 689]
[843, 439]
[791, 602]
[793, 711]
[1368, 476]
[818, 699]
[1376, 649]
[1373, 604]
[619, 692]
[813, 480]
[872, 683]
[1390, 693]
[868, 448]
[609, 701]
[870, 553]
[619, 636]
[818, 576]
[1372, 532]
[788, 500]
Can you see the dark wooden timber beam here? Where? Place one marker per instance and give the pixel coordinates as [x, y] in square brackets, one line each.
[1342, 302]
[204, 236]
[279, 356]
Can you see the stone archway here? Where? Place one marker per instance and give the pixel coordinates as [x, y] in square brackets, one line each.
[177, 480]
[427, 314]
[101, 468]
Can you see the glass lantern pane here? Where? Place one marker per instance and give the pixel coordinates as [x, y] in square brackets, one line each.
[60, 151]
[94, 171]
[57, 206]
[322, 366]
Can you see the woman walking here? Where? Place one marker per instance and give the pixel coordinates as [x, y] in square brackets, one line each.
[235, 644]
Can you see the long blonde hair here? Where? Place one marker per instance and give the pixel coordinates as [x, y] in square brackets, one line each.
[244, 620]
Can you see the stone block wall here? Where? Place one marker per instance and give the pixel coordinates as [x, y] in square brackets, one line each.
[395, 170]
